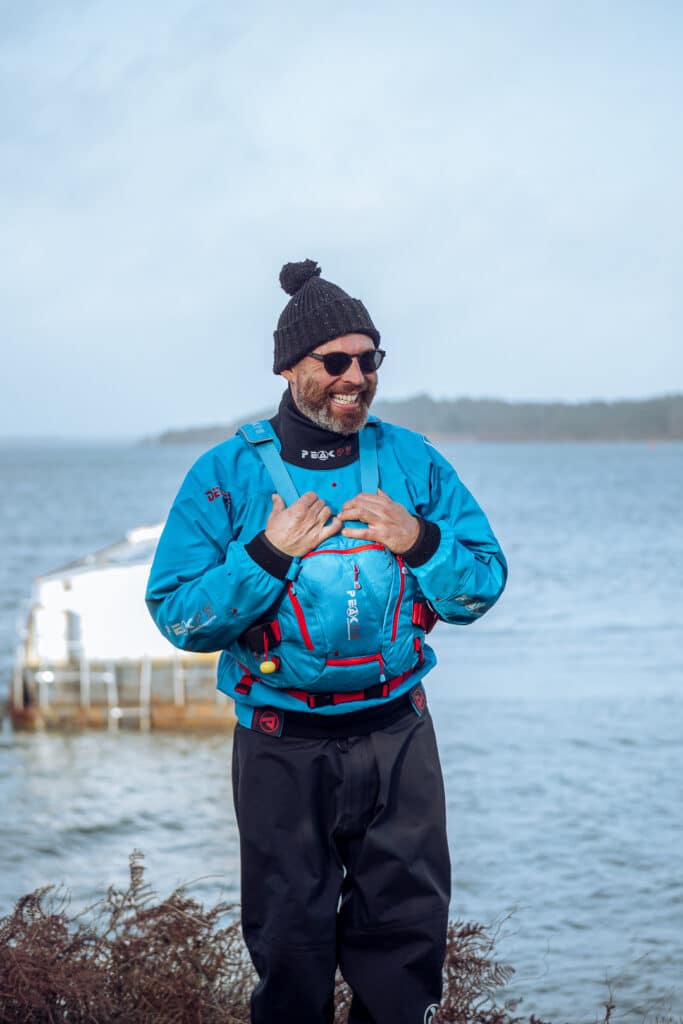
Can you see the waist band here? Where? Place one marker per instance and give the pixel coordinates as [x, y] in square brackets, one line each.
[276, 722]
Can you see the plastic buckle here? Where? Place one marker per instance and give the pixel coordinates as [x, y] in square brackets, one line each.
[263, 636]
[320, 700]
[424, 616]
[419, 618]
[378, 690]
[244, 686]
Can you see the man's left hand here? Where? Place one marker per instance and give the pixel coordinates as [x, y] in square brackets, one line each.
[389, 522]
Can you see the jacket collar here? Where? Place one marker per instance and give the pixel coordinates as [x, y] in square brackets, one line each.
[304, 443]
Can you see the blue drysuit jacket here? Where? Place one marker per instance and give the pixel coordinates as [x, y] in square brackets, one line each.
[205, 589]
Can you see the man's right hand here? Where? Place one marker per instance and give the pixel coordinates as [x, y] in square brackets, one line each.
[301, 527]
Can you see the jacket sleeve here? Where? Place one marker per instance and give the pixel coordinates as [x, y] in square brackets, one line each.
[465, 571]
[204, 587]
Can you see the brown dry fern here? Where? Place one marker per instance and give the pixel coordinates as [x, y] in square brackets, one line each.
[135, 959]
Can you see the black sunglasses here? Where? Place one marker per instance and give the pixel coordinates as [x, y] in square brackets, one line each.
[336, 363]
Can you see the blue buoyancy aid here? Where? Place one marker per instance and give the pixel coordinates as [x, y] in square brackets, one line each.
[352, 618]
[207, 593]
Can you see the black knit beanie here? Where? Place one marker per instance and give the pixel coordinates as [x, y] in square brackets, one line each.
[318, 311]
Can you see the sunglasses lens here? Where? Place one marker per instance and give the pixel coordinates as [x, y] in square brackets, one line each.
[370, 361]
[337, 363]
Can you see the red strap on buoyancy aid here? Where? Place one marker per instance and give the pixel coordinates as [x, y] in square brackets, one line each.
[382, 689]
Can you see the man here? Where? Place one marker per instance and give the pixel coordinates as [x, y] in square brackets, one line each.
[315, 551]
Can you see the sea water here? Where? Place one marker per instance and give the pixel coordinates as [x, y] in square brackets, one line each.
[559, 719]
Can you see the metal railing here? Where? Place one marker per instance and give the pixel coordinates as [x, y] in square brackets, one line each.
[44, 687]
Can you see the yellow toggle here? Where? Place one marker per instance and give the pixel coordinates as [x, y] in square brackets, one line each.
[267, 667]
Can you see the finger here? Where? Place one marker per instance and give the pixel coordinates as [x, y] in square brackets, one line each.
[309, 499]
[365, 534]
[330, 529]
[278, 503]
[384, 498]
[315, 511]
[377, 495]
[307, 507]
[357, 497]
[363, 515]
[366, 502]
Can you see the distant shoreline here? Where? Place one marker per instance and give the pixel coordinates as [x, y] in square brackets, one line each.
[494, 420]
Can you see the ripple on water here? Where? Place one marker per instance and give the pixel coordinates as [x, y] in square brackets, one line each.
[558, 717]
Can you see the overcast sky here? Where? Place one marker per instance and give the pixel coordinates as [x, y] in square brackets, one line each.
[500, 183]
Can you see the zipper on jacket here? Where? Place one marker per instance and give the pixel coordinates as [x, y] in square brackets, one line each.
[345, 551]
[401, 587]
[300, 617]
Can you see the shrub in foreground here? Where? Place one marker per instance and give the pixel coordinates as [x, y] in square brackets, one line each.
[134, 959]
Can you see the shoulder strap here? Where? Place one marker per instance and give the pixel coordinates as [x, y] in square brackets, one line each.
[367, 453]
[262, 438]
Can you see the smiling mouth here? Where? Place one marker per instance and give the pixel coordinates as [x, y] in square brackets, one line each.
[346, 400]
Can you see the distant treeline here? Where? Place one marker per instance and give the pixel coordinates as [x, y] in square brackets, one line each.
[484, 419]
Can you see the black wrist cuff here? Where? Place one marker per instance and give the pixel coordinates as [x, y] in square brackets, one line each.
[426, 544]
[269, 557]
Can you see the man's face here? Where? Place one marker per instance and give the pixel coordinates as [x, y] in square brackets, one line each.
[338, 403]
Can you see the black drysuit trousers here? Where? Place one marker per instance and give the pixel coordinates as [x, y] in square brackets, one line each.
[344, 861]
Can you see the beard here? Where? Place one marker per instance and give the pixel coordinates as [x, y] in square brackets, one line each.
[317, 403]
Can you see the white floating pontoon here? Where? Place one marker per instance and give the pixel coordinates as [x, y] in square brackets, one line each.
[89, 653]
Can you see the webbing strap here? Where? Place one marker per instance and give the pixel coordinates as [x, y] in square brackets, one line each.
[262, 437]
[367, 453]
[321, 700]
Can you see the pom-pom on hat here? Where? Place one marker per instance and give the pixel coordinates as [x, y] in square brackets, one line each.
[318, 311]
